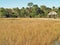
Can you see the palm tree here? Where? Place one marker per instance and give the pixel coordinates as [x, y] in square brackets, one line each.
[30, 4]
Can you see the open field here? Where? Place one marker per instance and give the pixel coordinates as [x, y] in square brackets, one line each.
[29, 31]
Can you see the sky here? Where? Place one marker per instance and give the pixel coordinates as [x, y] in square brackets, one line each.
[23, 3]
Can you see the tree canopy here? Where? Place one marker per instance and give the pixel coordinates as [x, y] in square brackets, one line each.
[33, 11]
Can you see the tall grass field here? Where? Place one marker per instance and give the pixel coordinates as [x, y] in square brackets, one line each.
[29, 31]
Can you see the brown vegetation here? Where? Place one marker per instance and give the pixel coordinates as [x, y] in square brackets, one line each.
[26, 31]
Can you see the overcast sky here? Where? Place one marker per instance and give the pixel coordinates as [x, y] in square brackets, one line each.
[23, 3]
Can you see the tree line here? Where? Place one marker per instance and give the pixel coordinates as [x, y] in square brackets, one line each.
[32, 11]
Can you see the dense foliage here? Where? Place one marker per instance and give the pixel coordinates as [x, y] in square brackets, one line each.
[32, 11]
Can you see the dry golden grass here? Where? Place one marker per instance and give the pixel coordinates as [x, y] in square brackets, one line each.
[26, 31]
